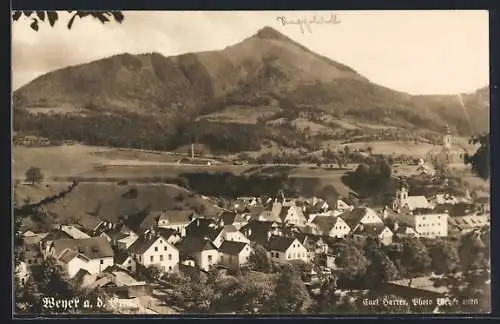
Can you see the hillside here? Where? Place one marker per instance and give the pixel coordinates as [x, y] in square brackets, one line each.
[225, 99]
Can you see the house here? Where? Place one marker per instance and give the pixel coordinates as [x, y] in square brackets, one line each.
[409, 203]
[22, 272]
[341, 205]
[200, 226]
[199, 249]
[176, 219]
[330, 226]
[230, 218]
[426, 224]
[313, 243]
[125, 260]
[92, 254]
[120, 236]
[90, 224]
[284, 249]
[73, 232]
[292, 215]
[231, 233]
[260, 232]
[403, 230]
[360, 215]
[171, 235]
[125, 286]
[153, 249]
[445, 198]
[234, 254]
[378, 230]
[32, 249]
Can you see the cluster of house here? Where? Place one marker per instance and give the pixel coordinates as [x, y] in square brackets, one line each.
[289, 229]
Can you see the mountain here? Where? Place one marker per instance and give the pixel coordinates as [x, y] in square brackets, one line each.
[265, 89]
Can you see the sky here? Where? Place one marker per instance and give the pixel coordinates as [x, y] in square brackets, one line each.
[418, 52]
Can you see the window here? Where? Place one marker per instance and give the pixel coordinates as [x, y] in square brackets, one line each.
[152, 258]
[156, 249]
[161, 257]
[288, 256]
[170, 256]
[29, 261]
[129, 268]
[102, 261]
[210, 259]
[129, 261]
[161, 241]
[169, 268]
[165, 248]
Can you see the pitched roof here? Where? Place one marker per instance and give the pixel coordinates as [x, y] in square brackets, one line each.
[118, 232]
[415, 202]
[177, 216]
[456, 210]
[325, 223]
[280, 243]
[354, 216]
[88, 222]
[74, 232]
[120, 256]
[68, 255]
[92, 248]
[232, 247]
[195, 244]
[166, 233]
[144, 242]
[370, 229]
[468, 222]
[150, 220]
[258, 231]
[199, 226]
[34, 239]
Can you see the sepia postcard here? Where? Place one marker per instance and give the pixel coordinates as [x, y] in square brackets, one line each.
[250, 162]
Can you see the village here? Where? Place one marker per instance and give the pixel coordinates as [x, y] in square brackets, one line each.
[106, 255]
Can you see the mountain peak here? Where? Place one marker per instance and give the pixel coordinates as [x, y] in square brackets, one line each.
[270, 33]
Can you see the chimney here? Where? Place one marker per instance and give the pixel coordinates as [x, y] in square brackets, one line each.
[396, 226]
[249, 232]
[198, 222]
[192, 150]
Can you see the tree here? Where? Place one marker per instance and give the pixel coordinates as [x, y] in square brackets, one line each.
[381, 268]
[259, 260]
[444, 255]
[472, 252]
[291, 295]
[52, 279]
[34, 175]
[415, 257]
[37, 17]
[352, 263]
[153, 273]
[480, 160]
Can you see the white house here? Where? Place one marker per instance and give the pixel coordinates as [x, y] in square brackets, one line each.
[284, 249]
[153, 249]
[427, 224]
[120, 236]
[361, 215]
[234, 254]
[379, 231]
[330, 226]
[231, 233]
[92, 254]
[176, 219]
[201, 250]
[403, 230]
[292, 215]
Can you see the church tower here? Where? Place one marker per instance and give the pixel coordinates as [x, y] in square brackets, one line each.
[447, 139]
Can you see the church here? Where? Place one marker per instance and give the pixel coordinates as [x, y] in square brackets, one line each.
[448, 153]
